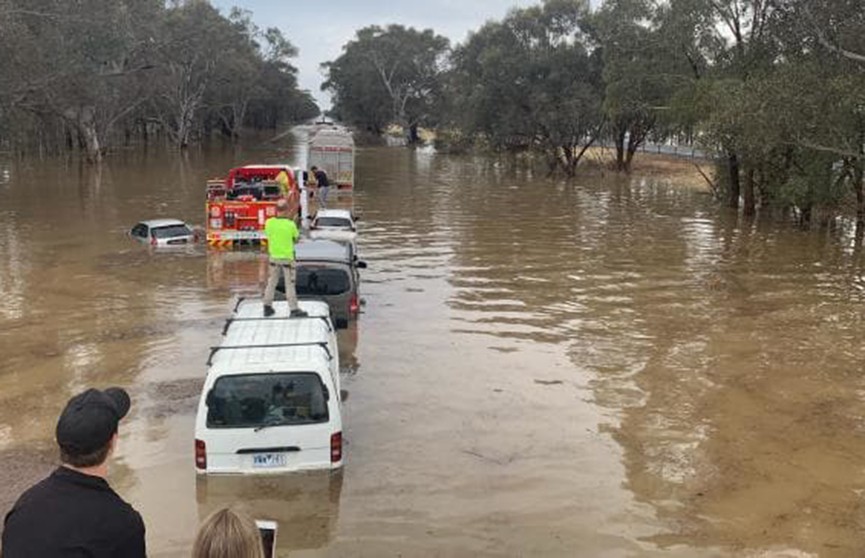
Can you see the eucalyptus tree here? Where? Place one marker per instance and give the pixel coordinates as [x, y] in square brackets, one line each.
[190, 51]
[530, 81]
[641, 72]
[831, 87]
[80, 64]
[394, 71]
[91, 73]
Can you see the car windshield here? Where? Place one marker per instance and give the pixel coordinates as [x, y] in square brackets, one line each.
[171, 231]
[336, 222]
[254, 400]
[321, 281]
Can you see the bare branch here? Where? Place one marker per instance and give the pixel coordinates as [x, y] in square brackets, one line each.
[825, 148]
[821, 38]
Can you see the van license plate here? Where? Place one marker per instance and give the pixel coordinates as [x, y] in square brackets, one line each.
[268, 460]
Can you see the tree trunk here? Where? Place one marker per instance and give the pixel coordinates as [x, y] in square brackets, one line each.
[633, 144]
[749, 208]
[88, 136]
[859, 188]
[413, 137]
[733, 166]
[620, 149]
[184, 126]
[805, 216]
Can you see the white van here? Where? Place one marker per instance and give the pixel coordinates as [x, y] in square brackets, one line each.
[271, 399]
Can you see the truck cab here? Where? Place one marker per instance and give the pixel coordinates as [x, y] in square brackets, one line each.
[238, 205]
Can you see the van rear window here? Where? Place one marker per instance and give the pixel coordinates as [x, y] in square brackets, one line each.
[252, 400]
[321, 281]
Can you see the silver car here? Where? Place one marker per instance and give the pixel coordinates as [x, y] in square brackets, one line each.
[163, 232]
[328, 271]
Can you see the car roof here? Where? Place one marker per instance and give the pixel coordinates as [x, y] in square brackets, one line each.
[341, 213]
[322, 250]
[276, 331]
[269, 341]
[312, 358]
[332, 138]
[155, 223]
[253, 308]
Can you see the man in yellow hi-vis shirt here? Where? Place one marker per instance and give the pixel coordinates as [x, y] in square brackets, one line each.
[281, 233]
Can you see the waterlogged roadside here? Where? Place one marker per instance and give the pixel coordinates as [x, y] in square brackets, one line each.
[610, 367]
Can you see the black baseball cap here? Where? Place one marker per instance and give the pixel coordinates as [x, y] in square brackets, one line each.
[90, 419]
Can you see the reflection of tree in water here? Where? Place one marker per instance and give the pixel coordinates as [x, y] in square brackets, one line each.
[739, 402]
[707, 337]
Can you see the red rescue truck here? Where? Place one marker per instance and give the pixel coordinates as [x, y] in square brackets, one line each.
[238, 205]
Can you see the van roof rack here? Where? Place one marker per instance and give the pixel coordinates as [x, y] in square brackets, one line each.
[322, 344]
[230, 321]
[242, 299]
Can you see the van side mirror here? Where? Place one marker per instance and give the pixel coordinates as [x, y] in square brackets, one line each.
[360, 264]
[208, 400]
[326, 392]
[343, 395]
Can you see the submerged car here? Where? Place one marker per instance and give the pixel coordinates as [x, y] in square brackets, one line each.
[163, 232]
[334, 224]
[328, 271]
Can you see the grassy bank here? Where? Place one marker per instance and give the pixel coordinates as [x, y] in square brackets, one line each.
[681, 171]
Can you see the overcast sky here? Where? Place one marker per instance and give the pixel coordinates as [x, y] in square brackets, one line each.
[319, 29]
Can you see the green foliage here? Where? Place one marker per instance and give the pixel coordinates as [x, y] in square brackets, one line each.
[93, 73]
[387, 75]
[530, 82]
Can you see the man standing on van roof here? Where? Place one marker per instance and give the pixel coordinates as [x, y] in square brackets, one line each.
[281, 233]
[74, 512]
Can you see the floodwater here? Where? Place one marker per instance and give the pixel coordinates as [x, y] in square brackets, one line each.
[611, 367]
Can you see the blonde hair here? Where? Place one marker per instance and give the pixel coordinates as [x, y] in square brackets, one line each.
[228, 534]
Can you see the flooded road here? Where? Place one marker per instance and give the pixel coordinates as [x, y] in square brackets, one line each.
[612, 367]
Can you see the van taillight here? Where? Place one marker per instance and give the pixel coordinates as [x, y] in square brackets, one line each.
[201, 454]
[336, 447]
[153, 240]
[353, 305]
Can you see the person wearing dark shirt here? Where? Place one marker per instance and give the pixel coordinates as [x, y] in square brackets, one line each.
[323, 186]
[74, 512]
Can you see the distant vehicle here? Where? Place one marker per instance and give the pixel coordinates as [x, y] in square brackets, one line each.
[163, 232]
[334, 224]
[328, 271]
[332, 149]
[271, 398]
[238, 205]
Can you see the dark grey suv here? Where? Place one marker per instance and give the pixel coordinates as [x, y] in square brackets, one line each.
[328, 271]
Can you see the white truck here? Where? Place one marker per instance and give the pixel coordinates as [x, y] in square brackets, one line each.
[332, 149]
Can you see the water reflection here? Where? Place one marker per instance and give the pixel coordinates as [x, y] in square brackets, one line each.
[238, 272]
[305, 506]
[13, 266]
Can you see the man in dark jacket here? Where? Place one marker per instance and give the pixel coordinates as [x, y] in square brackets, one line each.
[74, 512]
[323, 187]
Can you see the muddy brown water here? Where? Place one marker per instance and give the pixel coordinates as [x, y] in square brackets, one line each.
[610, 367]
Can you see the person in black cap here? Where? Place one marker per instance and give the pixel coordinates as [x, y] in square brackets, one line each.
[74, 512]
